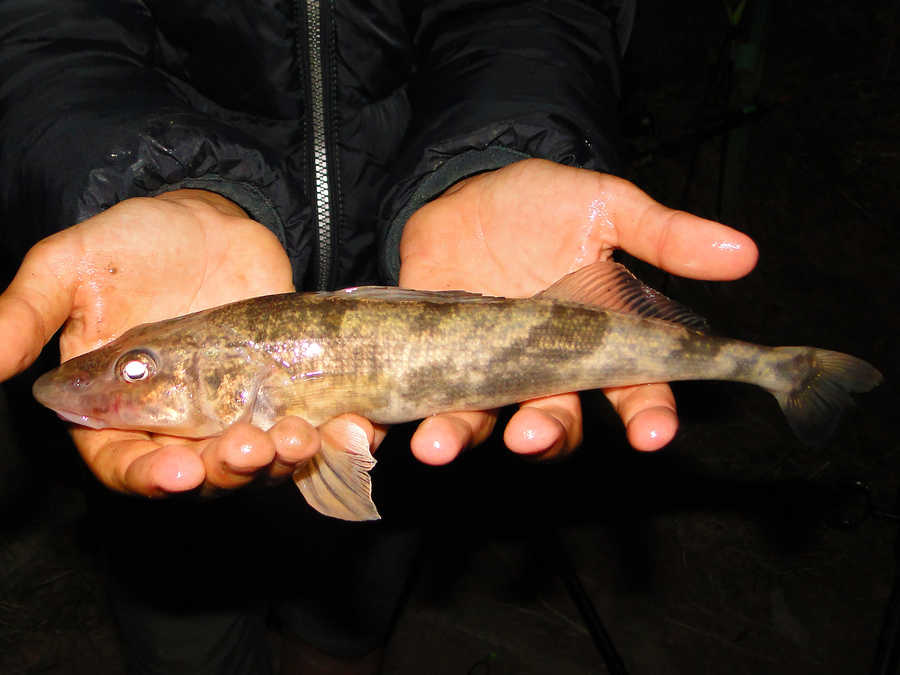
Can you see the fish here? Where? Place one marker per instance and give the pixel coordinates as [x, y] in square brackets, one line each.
[395, 355]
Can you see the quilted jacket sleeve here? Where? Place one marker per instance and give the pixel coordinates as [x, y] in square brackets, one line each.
[87, 120]
[503, 81]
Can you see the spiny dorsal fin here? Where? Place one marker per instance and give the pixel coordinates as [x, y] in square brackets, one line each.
[396, 294]
[610, 285]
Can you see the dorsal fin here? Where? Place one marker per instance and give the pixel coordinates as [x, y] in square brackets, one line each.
[610, 285]
[396, 294]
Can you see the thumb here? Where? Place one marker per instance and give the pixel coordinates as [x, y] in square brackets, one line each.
[34, 306]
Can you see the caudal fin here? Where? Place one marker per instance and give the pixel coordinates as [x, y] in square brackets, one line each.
[822, 393]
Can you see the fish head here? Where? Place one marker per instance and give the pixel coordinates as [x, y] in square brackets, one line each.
[161, 378]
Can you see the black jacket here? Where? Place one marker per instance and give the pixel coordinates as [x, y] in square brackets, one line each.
[329, 122]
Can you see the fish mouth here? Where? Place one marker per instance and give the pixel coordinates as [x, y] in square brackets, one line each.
[81, 420]
[97, 423]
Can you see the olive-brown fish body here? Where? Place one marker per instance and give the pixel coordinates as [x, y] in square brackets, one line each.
[400, 360]
[394, 355]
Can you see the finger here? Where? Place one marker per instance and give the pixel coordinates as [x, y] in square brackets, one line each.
[130, 462]
[375, 434]
[676, 241]
[439, 439]
[546, 428]
[235, 458]
[166, 470]
[379, 432]
[35, 305]
[295, 441]
[648, 412]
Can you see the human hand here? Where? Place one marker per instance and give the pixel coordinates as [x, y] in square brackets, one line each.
[144, 260]
[514, 232]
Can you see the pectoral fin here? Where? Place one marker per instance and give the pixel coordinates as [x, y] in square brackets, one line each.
[336, 480]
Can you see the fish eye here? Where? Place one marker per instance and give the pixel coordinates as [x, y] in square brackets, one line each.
[135, 366]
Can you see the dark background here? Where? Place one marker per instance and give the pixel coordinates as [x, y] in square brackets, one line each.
[725, 552]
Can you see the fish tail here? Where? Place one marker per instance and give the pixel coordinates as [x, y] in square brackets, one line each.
[823, 382]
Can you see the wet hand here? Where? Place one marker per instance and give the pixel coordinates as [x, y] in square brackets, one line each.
[517, 230]
[145, 260]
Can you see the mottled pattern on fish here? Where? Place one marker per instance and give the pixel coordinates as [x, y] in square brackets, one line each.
[398, 360]
[393, 355]
[408, 355]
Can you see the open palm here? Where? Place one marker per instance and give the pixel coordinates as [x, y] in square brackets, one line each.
[145, 260]
[514, 232]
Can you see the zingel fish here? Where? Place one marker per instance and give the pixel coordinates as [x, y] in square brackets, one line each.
[394, 355]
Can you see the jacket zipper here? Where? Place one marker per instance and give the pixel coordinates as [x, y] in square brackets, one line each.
[315, 49]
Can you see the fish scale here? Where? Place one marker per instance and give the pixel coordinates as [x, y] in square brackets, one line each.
[395, 355]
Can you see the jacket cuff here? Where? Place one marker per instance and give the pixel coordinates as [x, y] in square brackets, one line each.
[165, 152]
[246, 195]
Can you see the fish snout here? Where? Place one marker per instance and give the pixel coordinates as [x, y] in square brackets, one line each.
[58, 387]
[73, 398]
